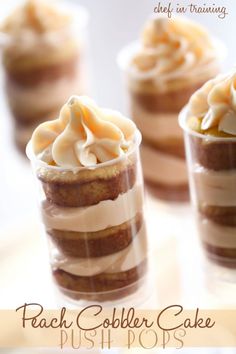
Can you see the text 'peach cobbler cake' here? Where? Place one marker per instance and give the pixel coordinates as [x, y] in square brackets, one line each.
[42, 57]
[211, 125]
[174, 58]
[92, 207]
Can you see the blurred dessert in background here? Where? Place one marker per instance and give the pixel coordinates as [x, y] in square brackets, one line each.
[175, 57]
[43, 55]
[87, 161]
[210, 124]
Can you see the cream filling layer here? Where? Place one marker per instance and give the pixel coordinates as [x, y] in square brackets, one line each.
[163, 168]
[157, 126]
[217, 235]
[122, 261]
[215, 187]
[40, 98]
[97, 217]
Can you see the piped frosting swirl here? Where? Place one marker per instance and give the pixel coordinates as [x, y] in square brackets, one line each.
[37, 34]
[36, 16]
[173, 48]
[83, 135]
[212, 108]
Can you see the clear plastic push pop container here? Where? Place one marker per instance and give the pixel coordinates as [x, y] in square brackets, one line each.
[161, 75]
[210, 139]
[43, 49]
[91, 202]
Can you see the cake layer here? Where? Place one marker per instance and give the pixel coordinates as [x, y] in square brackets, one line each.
[21, 141]
[159, 167]
[32, 118]
[88, 186]
[160, 130]
[100, 283]
[214, 155]
[32, 104]
[215, 188]
[155, 101]
[220, 215]
[217, 235]
[31, 76]
[117, 262]
[94, 218]
[96, 244]
[167, 192]
[174, 147]
[117, 294]
[222, 256]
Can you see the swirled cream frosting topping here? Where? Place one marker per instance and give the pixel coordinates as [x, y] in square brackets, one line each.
[83, 135]
[212, 108]
[37, 32]
[36, 16]
[171, 48]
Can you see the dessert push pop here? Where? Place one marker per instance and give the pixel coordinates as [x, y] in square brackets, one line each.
[43, 61]
[175, 57]
[209, 124]
[87, 162]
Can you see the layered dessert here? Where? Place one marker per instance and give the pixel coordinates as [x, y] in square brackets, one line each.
[210, 124]
[87, 163]
[175, 57]
[42, 59]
